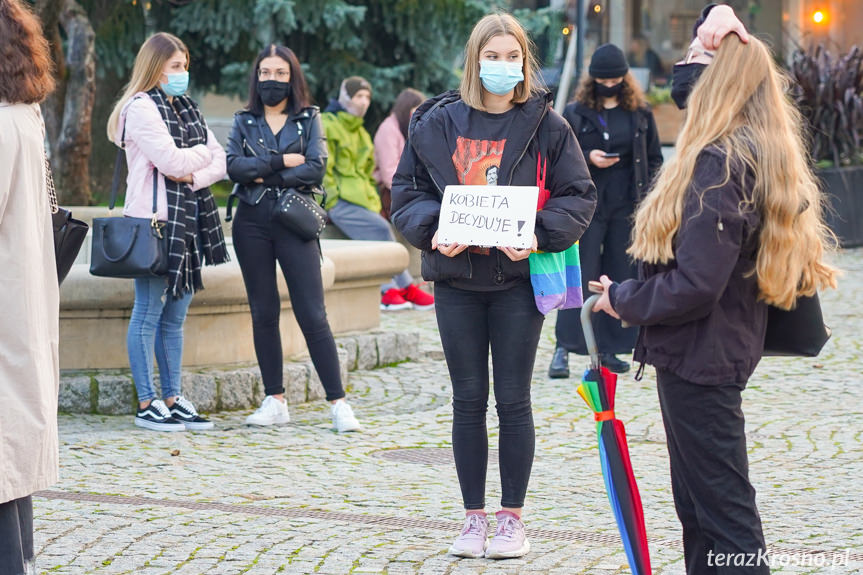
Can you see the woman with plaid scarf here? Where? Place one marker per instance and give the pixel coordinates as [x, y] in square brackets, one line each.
[165, 137]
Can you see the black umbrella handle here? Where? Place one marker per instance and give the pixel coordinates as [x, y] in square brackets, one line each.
[587, 327]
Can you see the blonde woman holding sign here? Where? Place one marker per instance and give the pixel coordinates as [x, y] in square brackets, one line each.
[497, 128]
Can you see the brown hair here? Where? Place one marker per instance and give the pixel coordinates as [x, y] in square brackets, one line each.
[25, 58]
[406, 101]
[151, 59]
[299, 95]
[486, 29]
[631, 97]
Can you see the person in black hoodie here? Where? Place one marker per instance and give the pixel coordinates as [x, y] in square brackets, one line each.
[609, 116]
[498, 123]
[275, 144]
[733, 223]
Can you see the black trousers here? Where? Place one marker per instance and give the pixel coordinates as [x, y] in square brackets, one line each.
[507, 321]
[16, 535]
[715, 501]
[601, 250]
[259, 243]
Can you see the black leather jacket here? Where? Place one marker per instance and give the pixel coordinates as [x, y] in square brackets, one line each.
[254, 152]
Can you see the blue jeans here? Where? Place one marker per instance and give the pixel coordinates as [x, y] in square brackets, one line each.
[156, 326]
[359, 223]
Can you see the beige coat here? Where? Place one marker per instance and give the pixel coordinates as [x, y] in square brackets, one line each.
[29, 309]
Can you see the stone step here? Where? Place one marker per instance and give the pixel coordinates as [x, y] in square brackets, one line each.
[112, 392]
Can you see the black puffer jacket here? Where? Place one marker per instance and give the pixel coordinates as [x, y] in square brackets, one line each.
[426, 168]
[254, 152]
[701, 314]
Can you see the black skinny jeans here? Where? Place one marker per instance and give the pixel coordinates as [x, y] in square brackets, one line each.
[470, 322]
[16, 535]
[259, 243]
[715, 501]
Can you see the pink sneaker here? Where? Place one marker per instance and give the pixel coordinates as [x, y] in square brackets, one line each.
[473, 538]
[509, 541]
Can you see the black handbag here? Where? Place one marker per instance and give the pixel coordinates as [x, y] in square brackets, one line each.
[128, 247]
[797, 332]
[69, 233]
[298, 211]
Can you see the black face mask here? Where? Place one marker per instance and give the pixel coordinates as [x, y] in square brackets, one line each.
[604, 91]
[272, 91]
[683, 78]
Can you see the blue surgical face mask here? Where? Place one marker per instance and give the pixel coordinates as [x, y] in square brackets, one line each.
[500, 77]
[177, 84]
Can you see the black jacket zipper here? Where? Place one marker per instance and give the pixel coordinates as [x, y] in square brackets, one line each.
[263, 189]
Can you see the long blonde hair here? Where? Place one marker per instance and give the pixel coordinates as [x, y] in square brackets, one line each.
[739, 106]
[149, 63]
[487, 28]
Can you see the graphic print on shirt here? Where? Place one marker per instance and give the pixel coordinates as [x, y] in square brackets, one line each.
[477, 162]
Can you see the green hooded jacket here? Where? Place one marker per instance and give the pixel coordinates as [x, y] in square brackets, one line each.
[351, 162]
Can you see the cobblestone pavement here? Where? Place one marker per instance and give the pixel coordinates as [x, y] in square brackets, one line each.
[302, 499]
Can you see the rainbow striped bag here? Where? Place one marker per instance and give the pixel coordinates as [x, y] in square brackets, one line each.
[556, 279]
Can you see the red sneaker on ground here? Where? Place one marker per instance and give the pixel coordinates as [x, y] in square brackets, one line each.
[419, 298]
[392, 299]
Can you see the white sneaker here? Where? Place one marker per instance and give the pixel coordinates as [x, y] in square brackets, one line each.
[271, 412]
[343, 417]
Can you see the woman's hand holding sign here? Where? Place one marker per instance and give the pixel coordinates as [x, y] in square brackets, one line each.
[449, 250]
[516, 254]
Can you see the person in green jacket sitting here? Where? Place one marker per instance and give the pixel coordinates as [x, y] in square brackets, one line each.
[352, 196]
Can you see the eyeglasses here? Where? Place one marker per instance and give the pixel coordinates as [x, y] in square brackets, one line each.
[694, 52]
[280, 75]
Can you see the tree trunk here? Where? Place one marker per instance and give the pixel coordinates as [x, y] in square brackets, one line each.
[52, 107]
[69, 111]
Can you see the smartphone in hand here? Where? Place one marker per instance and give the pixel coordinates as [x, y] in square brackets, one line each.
[611, 155]
[595, 287]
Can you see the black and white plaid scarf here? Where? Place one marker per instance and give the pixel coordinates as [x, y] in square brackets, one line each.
[188, 237]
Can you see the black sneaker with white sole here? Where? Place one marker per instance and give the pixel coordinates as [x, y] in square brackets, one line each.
[157, 417]
[184, 411]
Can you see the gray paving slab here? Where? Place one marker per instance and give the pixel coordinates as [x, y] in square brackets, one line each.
[302, 499]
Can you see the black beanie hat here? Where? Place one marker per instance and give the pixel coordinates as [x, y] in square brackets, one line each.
[608, 62]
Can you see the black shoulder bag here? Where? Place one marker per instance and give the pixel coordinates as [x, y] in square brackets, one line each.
[299, 211]
[796, 332]
[128, 247]
[69, 233]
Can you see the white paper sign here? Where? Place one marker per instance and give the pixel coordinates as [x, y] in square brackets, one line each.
[488, 216]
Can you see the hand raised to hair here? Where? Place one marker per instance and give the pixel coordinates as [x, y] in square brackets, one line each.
[720, 22]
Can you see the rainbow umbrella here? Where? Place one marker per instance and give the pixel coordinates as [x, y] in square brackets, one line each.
[597, 389]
